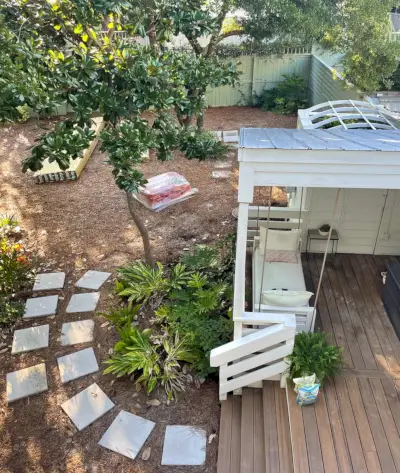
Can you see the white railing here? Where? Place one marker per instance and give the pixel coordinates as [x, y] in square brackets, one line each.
[253, 358]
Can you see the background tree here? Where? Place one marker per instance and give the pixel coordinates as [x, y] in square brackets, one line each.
[62, 41]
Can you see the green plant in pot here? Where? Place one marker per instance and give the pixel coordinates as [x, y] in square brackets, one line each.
[313, 354]
[324, 229]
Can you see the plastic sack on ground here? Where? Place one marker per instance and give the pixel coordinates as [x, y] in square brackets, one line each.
[164, 190]
[307, 390]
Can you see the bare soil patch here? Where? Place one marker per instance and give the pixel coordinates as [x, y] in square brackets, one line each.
[75, 226]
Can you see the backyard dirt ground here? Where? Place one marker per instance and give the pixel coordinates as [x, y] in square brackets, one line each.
[75, 226]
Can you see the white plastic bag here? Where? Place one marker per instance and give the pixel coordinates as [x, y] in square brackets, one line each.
[307, 390]
[164, 190]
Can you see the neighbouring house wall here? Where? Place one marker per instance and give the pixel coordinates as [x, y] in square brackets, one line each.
[323, 86]
[260, 73]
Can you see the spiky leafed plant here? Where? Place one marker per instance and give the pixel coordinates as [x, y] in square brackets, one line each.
[312, 353]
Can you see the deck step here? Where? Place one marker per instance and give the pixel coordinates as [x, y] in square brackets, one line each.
[254, 432]
[229, 435]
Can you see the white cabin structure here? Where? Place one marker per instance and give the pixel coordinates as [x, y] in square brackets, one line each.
[348, 178]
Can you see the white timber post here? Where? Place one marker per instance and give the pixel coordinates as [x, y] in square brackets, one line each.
[240, 269]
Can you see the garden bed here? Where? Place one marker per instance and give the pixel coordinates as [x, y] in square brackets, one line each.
[81, 225]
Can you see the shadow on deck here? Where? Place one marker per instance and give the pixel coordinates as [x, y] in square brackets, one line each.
[355, 424]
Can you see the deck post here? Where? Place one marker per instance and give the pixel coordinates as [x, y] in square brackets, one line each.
[240, 269]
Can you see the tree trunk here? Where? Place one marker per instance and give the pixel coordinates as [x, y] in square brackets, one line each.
[142, 229]
[200, 121]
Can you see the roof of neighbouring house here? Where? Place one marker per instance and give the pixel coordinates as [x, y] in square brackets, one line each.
[317, 139]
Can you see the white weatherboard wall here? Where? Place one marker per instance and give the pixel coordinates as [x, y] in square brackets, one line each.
[389, 235]
[361, 218]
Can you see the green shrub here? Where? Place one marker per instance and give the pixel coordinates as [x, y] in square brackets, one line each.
[203, 145]
[152, 359]
[10, 311]
[312, 353]
[191, 301]
[286, 98]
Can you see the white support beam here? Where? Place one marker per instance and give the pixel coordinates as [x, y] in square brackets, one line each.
[240, 268]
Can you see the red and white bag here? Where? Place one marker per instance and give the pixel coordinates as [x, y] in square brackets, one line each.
[164, 190]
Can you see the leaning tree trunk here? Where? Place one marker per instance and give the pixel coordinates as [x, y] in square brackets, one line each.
[148, 254]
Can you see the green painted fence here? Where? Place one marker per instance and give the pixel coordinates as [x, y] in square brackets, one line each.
[324, 85]
[260, 73]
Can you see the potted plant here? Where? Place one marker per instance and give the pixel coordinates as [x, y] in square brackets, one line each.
[313, 360]
[324, 229]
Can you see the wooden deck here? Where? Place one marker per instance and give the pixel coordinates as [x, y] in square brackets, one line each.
[355, 425]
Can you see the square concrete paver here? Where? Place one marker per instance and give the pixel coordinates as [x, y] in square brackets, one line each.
[83, 302]
[127, 434]
[46, 281]
[40, 306]
[184, 445]
[76, 365]
[77, 332]
[222, 174]
[93, 280]
[31, 338]
[26, 382]
[231, 136]
[87, 406]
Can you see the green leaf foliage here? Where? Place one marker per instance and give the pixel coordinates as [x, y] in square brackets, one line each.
[121, 316]
[286, 98]
[312, 353]
[203, 145]
[153, 359]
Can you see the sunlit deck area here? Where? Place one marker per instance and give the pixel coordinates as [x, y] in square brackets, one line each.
[355, 424]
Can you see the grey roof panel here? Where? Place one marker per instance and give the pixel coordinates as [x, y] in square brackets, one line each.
[374, 140]
[317, 139]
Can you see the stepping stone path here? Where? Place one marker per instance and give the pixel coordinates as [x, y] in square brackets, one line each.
[77, 332]
[93, 280]
[83, 302]
[40, 307]
[87, 406]
[47, 281]
[32, 338]
[223, 168]
[26, 382]
[127, 434]
[183, 445]
[223, 174]
[77, 364]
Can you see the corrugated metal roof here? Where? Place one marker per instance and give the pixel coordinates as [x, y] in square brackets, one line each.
[331, 139]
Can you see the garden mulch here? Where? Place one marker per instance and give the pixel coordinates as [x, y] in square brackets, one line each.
[75, 226]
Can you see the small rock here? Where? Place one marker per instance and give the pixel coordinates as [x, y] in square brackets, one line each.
[52, 317]
[135, 395]
[105, 324]
[146, 453]
[185, 369]
[98, 345]
[212, 437]
[3, 350]
[110, 351]
[153, 402]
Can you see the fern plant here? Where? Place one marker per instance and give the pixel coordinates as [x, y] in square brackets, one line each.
[140, 281]
[121, 316]
[312, 353]
[154, 359]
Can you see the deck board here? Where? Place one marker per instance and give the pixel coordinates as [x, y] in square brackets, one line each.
[355, 425]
